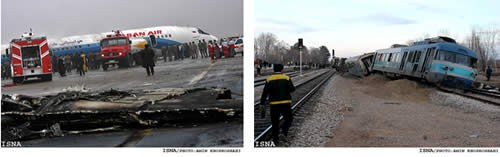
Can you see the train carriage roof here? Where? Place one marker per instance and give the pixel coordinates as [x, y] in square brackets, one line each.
[456, 48]
[449, 46]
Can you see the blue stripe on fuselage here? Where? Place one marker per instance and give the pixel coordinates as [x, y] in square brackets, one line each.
[163, 42]
[94, 47]
[86, 48]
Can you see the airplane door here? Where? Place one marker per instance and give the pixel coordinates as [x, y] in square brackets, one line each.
[153, 40]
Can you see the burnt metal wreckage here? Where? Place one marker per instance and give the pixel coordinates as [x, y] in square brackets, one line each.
[76, 112]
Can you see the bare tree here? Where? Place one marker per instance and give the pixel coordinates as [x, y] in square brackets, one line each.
[489, 38]
[263, 45]
[482, 42]
[473, 42]
[270, 49]
[325, 55]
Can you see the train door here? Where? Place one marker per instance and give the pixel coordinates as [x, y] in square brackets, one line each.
[416, 59]
[428, 55]
[403, 61]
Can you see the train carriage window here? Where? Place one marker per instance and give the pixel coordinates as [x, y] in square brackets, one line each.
[462, 59]
[447, 56]
[390, 56]
[410, 57]
[80, 46]
[417, 56]
[473, 62]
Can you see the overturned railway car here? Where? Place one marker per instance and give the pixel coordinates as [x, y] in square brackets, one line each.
[438, 60]
[360, 65]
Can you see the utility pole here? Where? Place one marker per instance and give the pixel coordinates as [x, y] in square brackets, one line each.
[300, 53]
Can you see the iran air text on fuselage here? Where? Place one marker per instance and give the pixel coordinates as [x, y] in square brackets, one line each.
[135, 34]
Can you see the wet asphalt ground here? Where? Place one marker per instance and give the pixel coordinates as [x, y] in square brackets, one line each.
[226, 73]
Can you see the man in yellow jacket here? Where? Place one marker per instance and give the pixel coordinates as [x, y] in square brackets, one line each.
[82, 64]
[278, 87]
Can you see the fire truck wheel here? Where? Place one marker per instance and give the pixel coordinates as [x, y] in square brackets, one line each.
[104, 67]
[47, 77]
[17, 80]
[130, 61]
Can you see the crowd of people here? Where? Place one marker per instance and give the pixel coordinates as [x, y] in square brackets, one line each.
[215, 49]
[79, 62]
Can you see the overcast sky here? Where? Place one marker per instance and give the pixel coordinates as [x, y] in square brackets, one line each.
[353, 27]
[60, 18]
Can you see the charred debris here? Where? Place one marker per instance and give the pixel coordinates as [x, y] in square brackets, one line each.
[77, 112]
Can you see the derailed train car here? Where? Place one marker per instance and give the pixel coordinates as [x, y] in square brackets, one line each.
[360, 65]
[438, 60]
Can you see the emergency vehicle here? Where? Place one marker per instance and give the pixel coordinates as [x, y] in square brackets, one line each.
[121, 50]
[30, 58]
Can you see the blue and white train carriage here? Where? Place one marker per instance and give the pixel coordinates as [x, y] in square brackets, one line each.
[438, 60]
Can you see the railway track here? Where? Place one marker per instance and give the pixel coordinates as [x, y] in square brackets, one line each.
[476, 94]
[304, 91]
[257, 100]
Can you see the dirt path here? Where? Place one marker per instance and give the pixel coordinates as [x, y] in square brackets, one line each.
[402, 113]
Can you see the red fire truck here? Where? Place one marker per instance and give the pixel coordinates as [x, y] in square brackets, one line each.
[30, 58]
[121, 50]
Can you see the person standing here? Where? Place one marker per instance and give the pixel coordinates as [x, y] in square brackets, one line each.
[200, 48]
[205, 48]
[211, 50]
[164, 53]
[67, 63]
[221, 47]
[488, 73]
[216, 50]
[195, 50]
[225, 48]
[170, 52]
[81, 61]
[98, 59]
[278, 87]
[187, 50]
[179, 52]
[54, 63]
[75, 61]
[257, 66]
[231, 47]
[90, 57]
[147, 56]
[61, 67]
